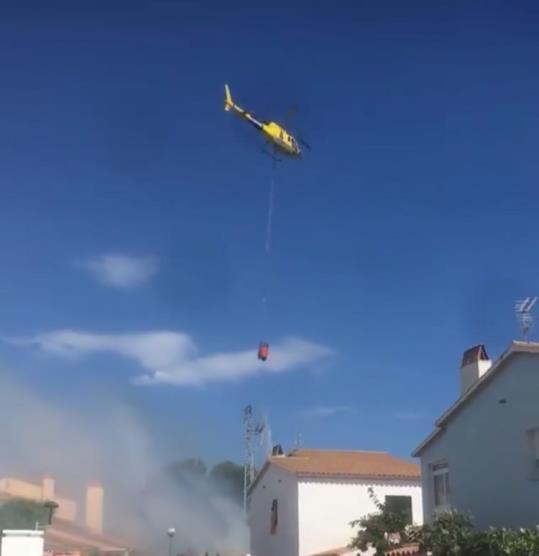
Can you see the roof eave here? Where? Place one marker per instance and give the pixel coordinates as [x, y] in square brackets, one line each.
[515, 347]
[258, 477]
[478, 384]
[417, 452]
[357, 476]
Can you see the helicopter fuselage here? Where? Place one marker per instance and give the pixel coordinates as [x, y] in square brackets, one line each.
[274, 133]
[281, 139]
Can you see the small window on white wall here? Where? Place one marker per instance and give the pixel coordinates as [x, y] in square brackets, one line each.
[440, 485]
[400, 505]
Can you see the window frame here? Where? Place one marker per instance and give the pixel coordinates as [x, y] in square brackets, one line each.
[440, 470]
[532, 435]
[409, 512]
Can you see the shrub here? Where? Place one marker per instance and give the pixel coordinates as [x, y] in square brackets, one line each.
[451, 534]
[382, 530]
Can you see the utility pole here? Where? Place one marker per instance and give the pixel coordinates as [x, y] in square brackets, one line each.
[251, 431]
[248, 471]
[170, 532]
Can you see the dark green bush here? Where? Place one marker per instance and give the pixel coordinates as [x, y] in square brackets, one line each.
[382, 530]
[451, 534]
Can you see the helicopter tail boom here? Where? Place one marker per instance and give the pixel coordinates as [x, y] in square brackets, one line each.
[231, 105]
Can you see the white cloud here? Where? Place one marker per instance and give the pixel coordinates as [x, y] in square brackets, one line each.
[120, 271]
[172, 357]
[327, 411]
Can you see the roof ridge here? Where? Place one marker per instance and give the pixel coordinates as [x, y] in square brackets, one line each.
[516, 346]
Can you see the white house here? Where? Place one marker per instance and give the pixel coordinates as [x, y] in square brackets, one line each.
[483, 456]
[302, 504]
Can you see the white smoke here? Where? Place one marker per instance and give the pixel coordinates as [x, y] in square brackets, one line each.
[266, 439]
[112, 444]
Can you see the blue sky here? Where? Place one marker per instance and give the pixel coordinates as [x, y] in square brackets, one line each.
[132, 204]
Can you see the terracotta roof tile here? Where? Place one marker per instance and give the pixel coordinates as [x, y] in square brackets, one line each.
[372, 465]
[63, 528]
[342, 550]
[408, 550]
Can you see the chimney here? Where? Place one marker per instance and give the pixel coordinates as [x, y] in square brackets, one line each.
[47, 488]
[475, 363]
[277, 450]
[94, 508]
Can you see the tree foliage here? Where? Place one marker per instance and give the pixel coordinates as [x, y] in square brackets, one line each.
[190, 466]
[226, 477]
[382, 530]
[22, 514]
[451, 534]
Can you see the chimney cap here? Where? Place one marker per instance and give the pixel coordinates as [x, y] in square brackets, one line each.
[95, 484]
[277, 450]
[474, 354]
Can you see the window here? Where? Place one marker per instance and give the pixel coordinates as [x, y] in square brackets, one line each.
[440, 478]
[274, 516]
[400, 505]
[533, 442]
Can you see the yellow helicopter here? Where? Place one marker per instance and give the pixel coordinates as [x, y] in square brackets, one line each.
[275, 134]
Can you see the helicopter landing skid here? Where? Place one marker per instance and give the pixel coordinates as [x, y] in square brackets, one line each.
[271, 154]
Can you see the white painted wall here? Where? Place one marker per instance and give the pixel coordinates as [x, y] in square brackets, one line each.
[327, 507]
[22, 543]
[278, 484]
[471, 373]
[488, 452]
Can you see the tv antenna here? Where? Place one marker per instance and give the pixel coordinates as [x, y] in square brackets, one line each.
[523, 311]
[251, 431]
[297, 441]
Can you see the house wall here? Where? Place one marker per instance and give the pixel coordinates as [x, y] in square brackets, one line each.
[94, 508]
[21, 543]
[22, 489]
[327, 507]
[67, 509]
[491, 463]
[274, 484]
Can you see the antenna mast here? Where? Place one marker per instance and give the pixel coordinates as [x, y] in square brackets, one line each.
[248, 456]
[251, 431]
[298, 440]
[523, 311]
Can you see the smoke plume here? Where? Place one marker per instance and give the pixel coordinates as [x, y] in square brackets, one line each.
[111, 443]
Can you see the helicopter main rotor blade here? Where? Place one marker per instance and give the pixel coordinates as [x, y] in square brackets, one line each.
[290, 115]
[304, 143]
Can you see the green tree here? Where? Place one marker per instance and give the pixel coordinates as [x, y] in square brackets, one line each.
[451, 534]
[227, 476]
[188, 467]
[22, 514]
[382, 530]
